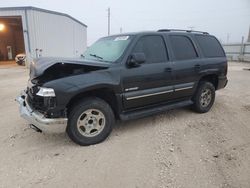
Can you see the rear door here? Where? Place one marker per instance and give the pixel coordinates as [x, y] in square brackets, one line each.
[150, 83]
[186, 65]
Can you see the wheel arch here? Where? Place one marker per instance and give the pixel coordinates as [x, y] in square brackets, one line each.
[104, 93]
[212, 78]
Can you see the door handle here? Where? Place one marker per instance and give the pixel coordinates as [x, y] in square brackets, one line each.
[168, 69]
[197, 67]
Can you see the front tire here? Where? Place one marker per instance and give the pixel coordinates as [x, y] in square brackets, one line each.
[204, 97]
[90, 121]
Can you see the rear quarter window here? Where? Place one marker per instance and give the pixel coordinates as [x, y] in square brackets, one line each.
[210, 46]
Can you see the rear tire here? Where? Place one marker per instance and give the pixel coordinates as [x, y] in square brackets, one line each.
[204, 97]
[90, 121]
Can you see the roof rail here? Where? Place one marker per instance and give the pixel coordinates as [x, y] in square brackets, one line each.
[182, 30]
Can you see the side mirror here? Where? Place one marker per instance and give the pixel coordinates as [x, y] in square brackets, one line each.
[136, 59]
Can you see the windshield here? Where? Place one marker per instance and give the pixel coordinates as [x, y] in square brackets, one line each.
[107, 49]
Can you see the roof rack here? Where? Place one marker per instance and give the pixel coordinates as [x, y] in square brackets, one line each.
[182, 30]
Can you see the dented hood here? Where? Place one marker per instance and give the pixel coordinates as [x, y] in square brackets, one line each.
[40, 65]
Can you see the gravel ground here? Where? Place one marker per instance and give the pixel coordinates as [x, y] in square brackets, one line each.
[176, 149]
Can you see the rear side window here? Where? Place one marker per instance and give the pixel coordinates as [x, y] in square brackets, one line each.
[210, 46]
[153, 47]
[183, 47]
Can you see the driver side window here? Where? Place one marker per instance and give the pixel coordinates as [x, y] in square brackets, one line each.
[153, 47]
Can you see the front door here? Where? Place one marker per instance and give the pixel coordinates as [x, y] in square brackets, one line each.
[150, 83]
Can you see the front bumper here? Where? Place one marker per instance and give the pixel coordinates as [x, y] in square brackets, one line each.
[38, 119]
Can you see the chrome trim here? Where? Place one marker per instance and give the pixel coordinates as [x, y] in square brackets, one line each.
[184, 88]
[148, 95]
[158, 93]
[132, 89]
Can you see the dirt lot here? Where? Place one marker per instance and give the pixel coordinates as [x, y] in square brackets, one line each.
[177, 149]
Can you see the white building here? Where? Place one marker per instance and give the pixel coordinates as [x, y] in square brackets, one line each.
[39, 32]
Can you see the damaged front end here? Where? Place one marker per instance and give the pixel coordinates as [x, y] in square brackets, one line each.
[43, 100]
[40, 75]
[38, 103]
[38, 119]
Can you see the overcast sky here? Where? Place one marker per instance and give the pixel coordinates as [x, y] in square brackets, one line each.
[226, 19]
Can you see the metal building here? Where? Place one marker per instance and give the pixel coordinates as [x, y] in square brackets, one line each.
[39, 32]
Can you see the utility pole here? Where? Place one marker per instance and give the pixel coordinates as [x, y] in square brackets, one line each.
[109, 21]
[242, 49]
[228, 36]
[120, 29]
[248, 40]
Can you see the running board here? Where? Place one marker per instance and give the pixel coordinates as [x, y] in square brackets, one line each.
[152, 111]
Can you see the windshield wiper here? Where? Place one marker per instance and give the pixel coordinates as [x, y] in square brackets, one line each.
[94, 55]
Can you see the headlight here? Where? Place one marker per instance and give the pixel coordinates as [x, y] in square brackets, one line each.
[46, 92]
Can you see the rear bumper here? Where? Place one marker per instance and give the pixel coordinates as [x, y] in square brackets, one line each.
[38, 119]
[222, 82]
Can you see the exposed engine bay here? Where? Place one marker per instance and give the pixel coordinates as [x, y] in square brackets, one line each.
[61, 70]
[47, 69]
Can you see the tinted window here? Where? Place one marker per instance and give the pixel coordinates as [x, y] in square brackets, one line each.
[153, 47]
[210, 46]
[183, 47]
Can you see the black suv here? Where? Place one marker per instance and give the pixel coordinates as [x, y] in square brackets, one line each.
[124, 77]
